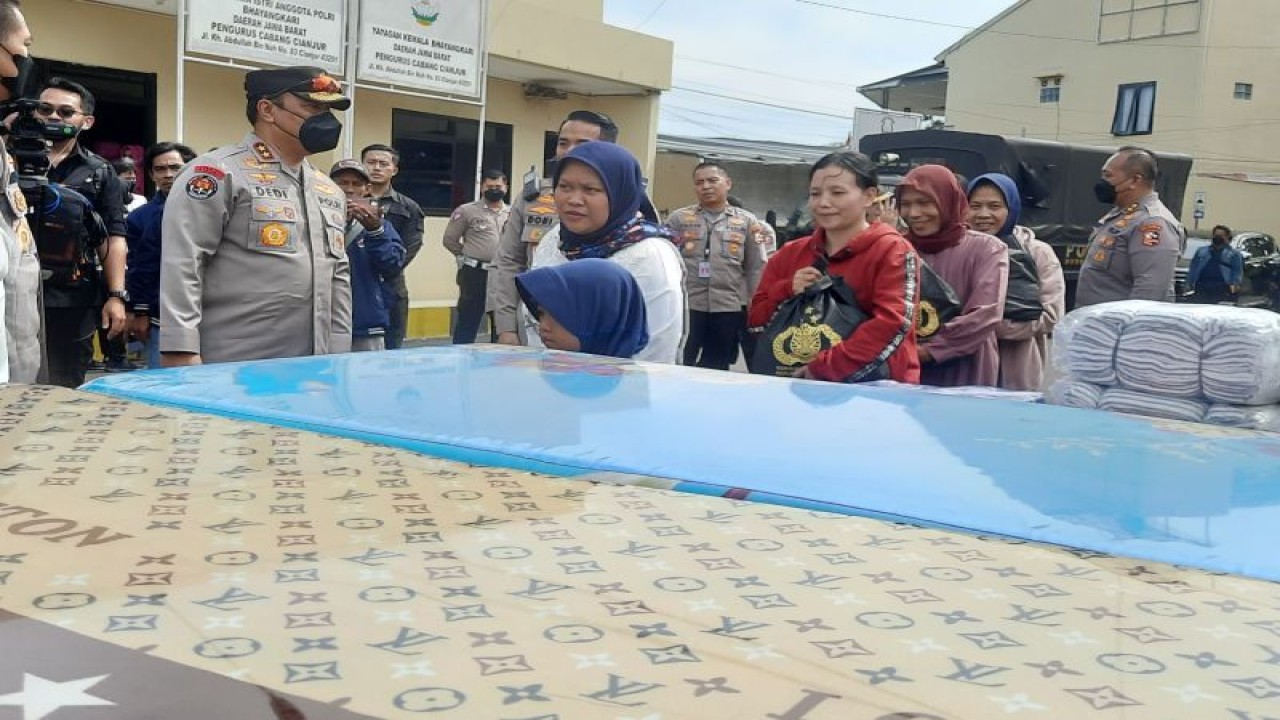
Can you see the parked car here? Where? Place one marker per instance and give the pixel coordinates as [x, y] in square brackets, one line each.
[1256, 247]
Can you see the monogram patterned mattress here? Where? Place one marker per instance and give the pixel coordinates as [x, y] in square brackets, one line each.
[160, 563]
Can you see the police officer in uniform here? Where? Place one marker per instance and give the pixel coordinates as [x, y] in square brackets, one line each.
[725, 251]
[253, 260]
[20, 353]
[472, 238]
[534, 214]
[1133, 252]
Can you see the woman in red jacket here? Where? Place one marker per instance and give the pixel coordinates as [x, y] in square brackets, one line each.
[874, 260]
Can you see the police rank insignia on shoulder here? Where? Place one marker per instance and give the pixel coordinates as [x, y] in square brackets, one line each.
[1150, 234]
[263, 151]
[202, 187]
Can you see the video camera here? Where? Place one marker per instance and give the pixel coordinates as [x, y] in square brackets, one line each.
[67, 229]
[29, 138]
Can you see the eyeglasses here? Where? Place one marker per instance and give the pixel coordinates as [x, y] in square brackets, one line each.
[66, 112]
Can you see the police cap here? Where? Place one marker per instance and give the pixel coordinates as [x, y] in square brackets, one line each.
[311, 83]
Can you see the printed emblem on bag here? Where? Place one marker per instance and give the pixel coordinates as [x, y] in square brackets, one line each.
[202, 187]
[928, 319]
[798, 345]
[274, 235]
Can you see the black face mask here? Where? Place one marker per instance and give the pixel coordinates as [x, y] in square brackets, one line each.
[23, 84]
[1219, 240]
[494, 195]
[319, 133]
[1105, 192]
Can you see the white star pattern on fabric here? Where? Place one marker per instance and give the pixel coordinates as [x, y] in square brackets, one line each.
[40, 697]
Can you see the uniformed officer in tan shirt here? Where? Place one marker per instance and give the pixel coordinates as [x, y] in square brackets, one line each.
[253, 258]
[533, 214]
[725, 251]
[472, 237]
[1134, 250]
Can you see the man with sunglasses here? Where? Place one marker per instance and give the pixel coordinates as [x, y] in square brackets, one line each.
[253, 258]
[19, 265]
[532, 215]
[75, 308]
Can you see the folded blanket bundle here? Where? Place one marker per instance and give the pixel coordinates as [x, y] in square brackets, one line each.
[1210, 353]
[1070, 392]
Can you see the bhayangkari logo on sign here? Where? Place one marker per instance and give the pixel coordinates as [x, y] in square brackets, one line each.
[425, 12]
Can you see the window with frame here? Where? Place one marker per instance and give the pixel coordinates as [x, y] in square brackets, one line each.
[1243, 91]
[1125, 20]
[1135, 109]
[438, 157]
[1050, 94]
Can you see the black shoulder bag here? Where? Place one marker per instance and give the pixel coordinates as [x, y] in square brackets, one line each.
[939, 303]
[804, 325]
[1022, 298]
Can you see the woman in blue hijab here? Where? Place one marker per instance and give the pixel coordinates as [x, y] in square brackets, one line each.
[604, 214]
[995, 208]
[590, 305]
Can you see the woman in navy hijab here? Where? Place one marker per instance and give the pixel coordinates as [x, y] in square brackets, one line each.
[589, 305]
[995, 208]
[604, 214]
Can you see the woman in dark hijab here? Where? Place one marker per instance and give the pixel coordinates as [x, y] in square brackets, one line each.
[604, 213]
[996, 208]
[975, 265]
[590, 305]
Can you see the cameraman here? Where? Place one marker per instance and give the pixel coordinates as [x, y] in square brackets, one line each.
[19, 266]
[70, 311]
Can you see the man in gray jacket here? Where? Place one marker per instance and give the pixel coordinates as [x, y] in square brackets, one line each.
[253, 261]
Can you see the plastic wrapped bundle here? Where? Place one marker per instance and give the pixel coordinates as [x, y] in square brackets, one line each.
[1085, 342]
[1159, 352]
[1249, 417]
[1074, 393]
[1241, 358]
[1218, 353]
[1134, 402]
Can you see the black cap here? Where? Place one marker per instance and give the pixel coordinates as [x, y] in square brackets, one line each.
[312, 83]
[349, 165]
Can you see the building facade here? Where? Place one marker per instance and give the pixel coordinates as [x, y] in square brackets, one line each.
[126, 52]
[1186, 76]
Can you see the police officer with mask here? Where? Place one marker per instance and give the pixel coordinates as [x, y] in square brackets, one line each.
[253, 260]
[19, 265]
[1134, 250]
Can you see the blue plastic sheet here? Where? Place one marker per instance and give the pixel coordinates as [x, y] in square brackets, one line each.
[1187, 494]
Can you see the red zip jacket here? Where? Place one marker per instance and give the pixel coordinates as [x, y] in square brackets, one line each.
[884, 272]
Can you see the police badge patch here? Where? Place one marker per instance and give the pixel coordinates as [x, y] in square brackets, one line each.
[1150, 234]
[202, 187]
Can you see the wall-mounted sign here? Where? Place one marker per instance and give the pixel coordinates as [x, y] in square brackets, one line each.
[274, 32]
[431, 45]
[167, 7]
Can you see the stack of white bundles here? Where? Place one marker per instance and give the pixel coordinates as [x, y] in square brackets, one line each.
[1204, 363]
